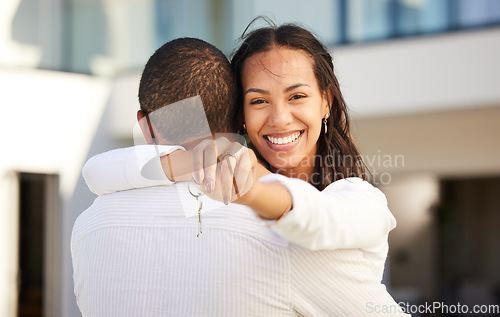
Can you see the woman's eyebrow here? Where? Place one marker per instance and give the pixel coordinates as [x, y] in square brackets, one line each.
[257, 90]
[290, 88]
[263, 91]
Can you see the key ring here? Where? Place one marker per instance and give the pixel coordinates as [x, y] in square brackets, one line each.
[200, 192]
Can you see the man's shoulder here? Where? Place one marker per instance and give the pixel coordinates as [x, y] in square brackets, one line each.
[90, 219]
[166, 207]
[122, 208]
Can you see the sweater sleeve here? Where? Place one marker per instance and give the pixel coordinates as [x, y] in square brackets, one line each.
[349, 213]
[127, 168]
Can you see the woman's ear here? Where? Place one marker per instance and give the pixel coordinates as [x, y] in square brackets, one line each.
[145, 124]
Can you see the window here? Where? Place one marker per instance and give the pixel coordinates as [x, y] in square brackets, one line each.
[370, 20]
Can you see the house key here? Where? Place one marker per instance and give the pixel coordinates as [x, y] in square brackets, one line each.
[196, 192]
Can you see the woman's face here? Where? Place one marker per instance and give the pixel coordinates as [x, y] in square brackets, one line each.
[283, 108]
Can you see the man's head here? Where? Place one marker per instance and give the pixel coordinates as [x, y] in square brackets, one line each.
[181, 69]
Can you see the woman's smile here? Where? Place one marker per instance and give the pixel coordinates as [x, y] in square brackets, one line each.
[283, 107]
[285, 141]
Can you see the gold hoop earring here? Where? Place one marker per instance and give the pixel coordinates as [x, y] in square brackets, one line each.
[244, 128]
[325, 122]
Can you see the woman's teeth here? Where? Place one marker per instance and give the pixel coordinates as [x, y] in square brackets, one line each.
[292, 137]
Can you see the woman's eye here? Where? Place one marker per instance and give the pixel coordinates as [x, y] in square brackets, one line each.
[297, 96]
[257, 101]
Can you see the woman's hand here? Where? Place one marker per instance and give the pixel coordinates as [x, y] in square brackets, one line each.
[226, 169]
[229, 172]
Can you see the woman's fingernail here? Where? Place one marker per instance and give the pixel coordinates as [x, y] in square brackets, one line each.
[225, 199]
[209, 184]
[197, 177]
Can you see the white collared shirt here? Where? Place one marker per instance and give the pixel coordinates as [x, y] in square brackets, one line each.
[135, 252]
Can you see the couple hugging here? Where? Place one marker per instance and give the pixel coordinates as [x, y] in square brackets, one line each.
[195, 223]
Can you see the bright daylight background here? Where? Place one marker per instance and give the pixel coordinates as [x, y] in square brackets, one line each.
[421, 77]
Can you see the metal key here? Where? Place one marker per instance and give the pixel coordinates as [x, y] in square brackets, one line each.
[197, 191]
[199, 205]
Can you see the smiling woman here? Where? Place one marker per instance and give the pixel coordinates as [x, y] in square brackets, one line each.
[317, 197]
[284, 120]
[289, 91]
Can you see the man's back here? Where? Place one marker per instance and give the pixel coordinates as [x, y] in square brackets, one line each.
[135, 253]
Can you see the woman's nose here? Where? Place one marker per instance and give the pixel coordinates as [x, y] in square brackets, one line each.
[280, 115]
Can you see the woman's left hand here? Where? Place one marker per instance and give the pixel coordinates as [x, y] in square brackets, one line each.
[225, 168]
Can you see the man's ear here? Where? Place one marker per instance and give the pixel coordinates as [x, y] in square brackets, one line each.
[147, 129]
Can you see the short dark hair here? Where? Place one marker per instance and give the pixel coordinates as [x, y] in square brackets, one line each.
[338, 156]
[184, 68]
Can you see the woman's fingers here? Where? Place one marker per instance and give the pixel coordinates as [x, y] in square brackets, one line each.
[243, 174]
[198, 155]
[210, 166]
[205, 158]
[228, 165]
[225, 168]
[237, 166]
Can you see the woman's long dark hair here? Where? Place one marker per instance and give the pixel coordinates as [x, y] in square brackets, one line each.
[337, 156]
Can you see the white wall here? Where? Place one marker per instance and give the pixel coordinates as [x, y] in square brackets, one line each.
[49, 125]
[448, 143]
[435, 73]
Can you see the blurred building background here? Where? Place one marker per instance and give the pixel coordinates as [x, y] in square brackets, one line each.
[422, 79]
